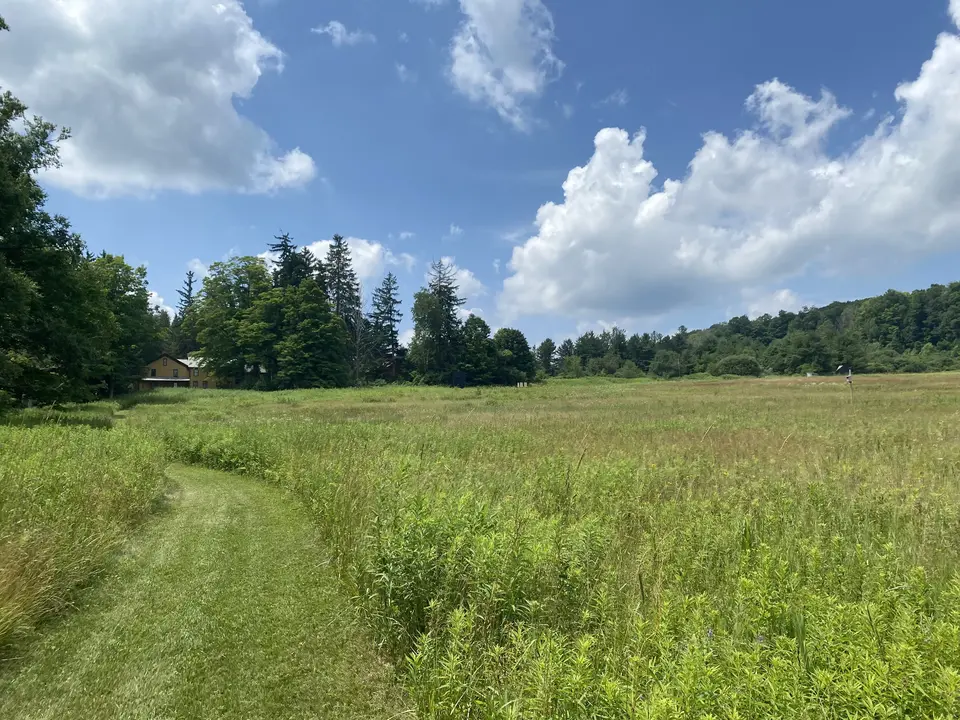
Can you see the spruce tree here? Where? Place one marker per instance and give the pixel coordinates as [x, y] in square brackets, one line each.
[313, 351]
[182, 337]
[384, 325]
[547, 356]
[186, 294]
[343, 287]
[292, 267]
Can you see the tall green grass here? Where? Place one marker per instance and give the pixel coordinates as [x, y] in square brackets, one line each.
[69, 495]
[621, 550]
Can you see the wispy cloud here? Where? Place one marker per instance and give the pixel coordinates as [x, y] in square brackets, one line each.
[340, 36]
[617, 97]
[405, 74]
[198, 267]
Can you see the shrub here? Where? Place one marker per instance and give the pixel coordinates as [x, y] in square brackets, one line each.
[742, 365]
[629, 370]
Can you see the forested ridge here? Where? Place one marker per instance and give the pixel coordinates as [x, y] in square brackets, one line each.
[75, 325]
[895, 332]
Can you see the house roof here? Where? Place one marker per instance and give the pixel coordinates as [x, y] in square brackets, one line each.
[186, 362]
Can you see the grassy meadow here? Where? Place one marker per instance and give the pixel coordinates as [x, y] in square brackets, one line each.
[608, 549]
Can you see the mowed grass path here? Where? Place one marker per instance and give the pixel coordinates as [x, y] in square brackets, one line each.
[219, 609]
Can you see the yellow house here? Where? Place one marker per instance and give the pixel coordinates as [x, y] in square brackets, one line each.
[167, 371]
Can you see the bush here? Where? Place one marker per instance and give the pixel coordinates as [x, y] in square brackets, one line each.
[741, 365]
[629, 370]
[571, 367]
[666, 364]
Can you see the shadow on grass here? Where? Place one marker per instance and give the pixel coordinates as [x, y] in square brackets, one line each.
[98, 415]
[32, 417]
[153, 397]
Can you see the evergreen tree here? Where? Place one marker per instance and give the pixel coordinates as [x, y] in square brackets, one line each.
[313, 350]
[183, 332]
[547, 356]
[362, 344]
[292, 267]
[343, 287]
[589, 346]
[384, 325]
[186, 294]
[437, 342]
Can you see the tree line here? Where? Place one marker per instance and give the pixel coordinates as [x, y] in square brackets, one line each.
[300, 324]
[291, 320]
[915, 331]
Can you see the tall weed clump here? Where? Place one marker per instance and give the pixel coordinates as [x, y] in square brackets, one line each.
[68, 497]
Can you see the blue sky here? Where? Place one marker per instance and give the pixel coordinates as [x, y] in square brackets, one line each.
[424, 129]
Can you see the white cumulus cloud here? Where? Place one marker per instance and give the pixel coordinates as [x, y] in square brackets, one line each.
[149, 90]
[370, 259]
[156, 301]
[502, 55]
[340, 36]
[753, 209]
[469, 284]
[198, 267]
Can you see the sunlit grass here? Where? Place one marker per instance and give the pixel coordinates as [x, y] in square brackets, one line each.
[583, 549]
[69, 495]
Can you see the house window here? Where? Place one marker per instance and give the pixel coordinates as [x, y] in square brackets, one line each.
[176, 372]
[196, 384]
[153, 372]
[164, 362]
[204, 384]
[196, 372]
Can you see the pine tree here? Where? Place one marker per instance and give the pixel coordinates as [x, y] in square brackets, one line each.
[182, 338]
[292, 267]
[547, 356]
[313, 351]
[343, 288]
[384, 325]
[437, 345]
[186, 294]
